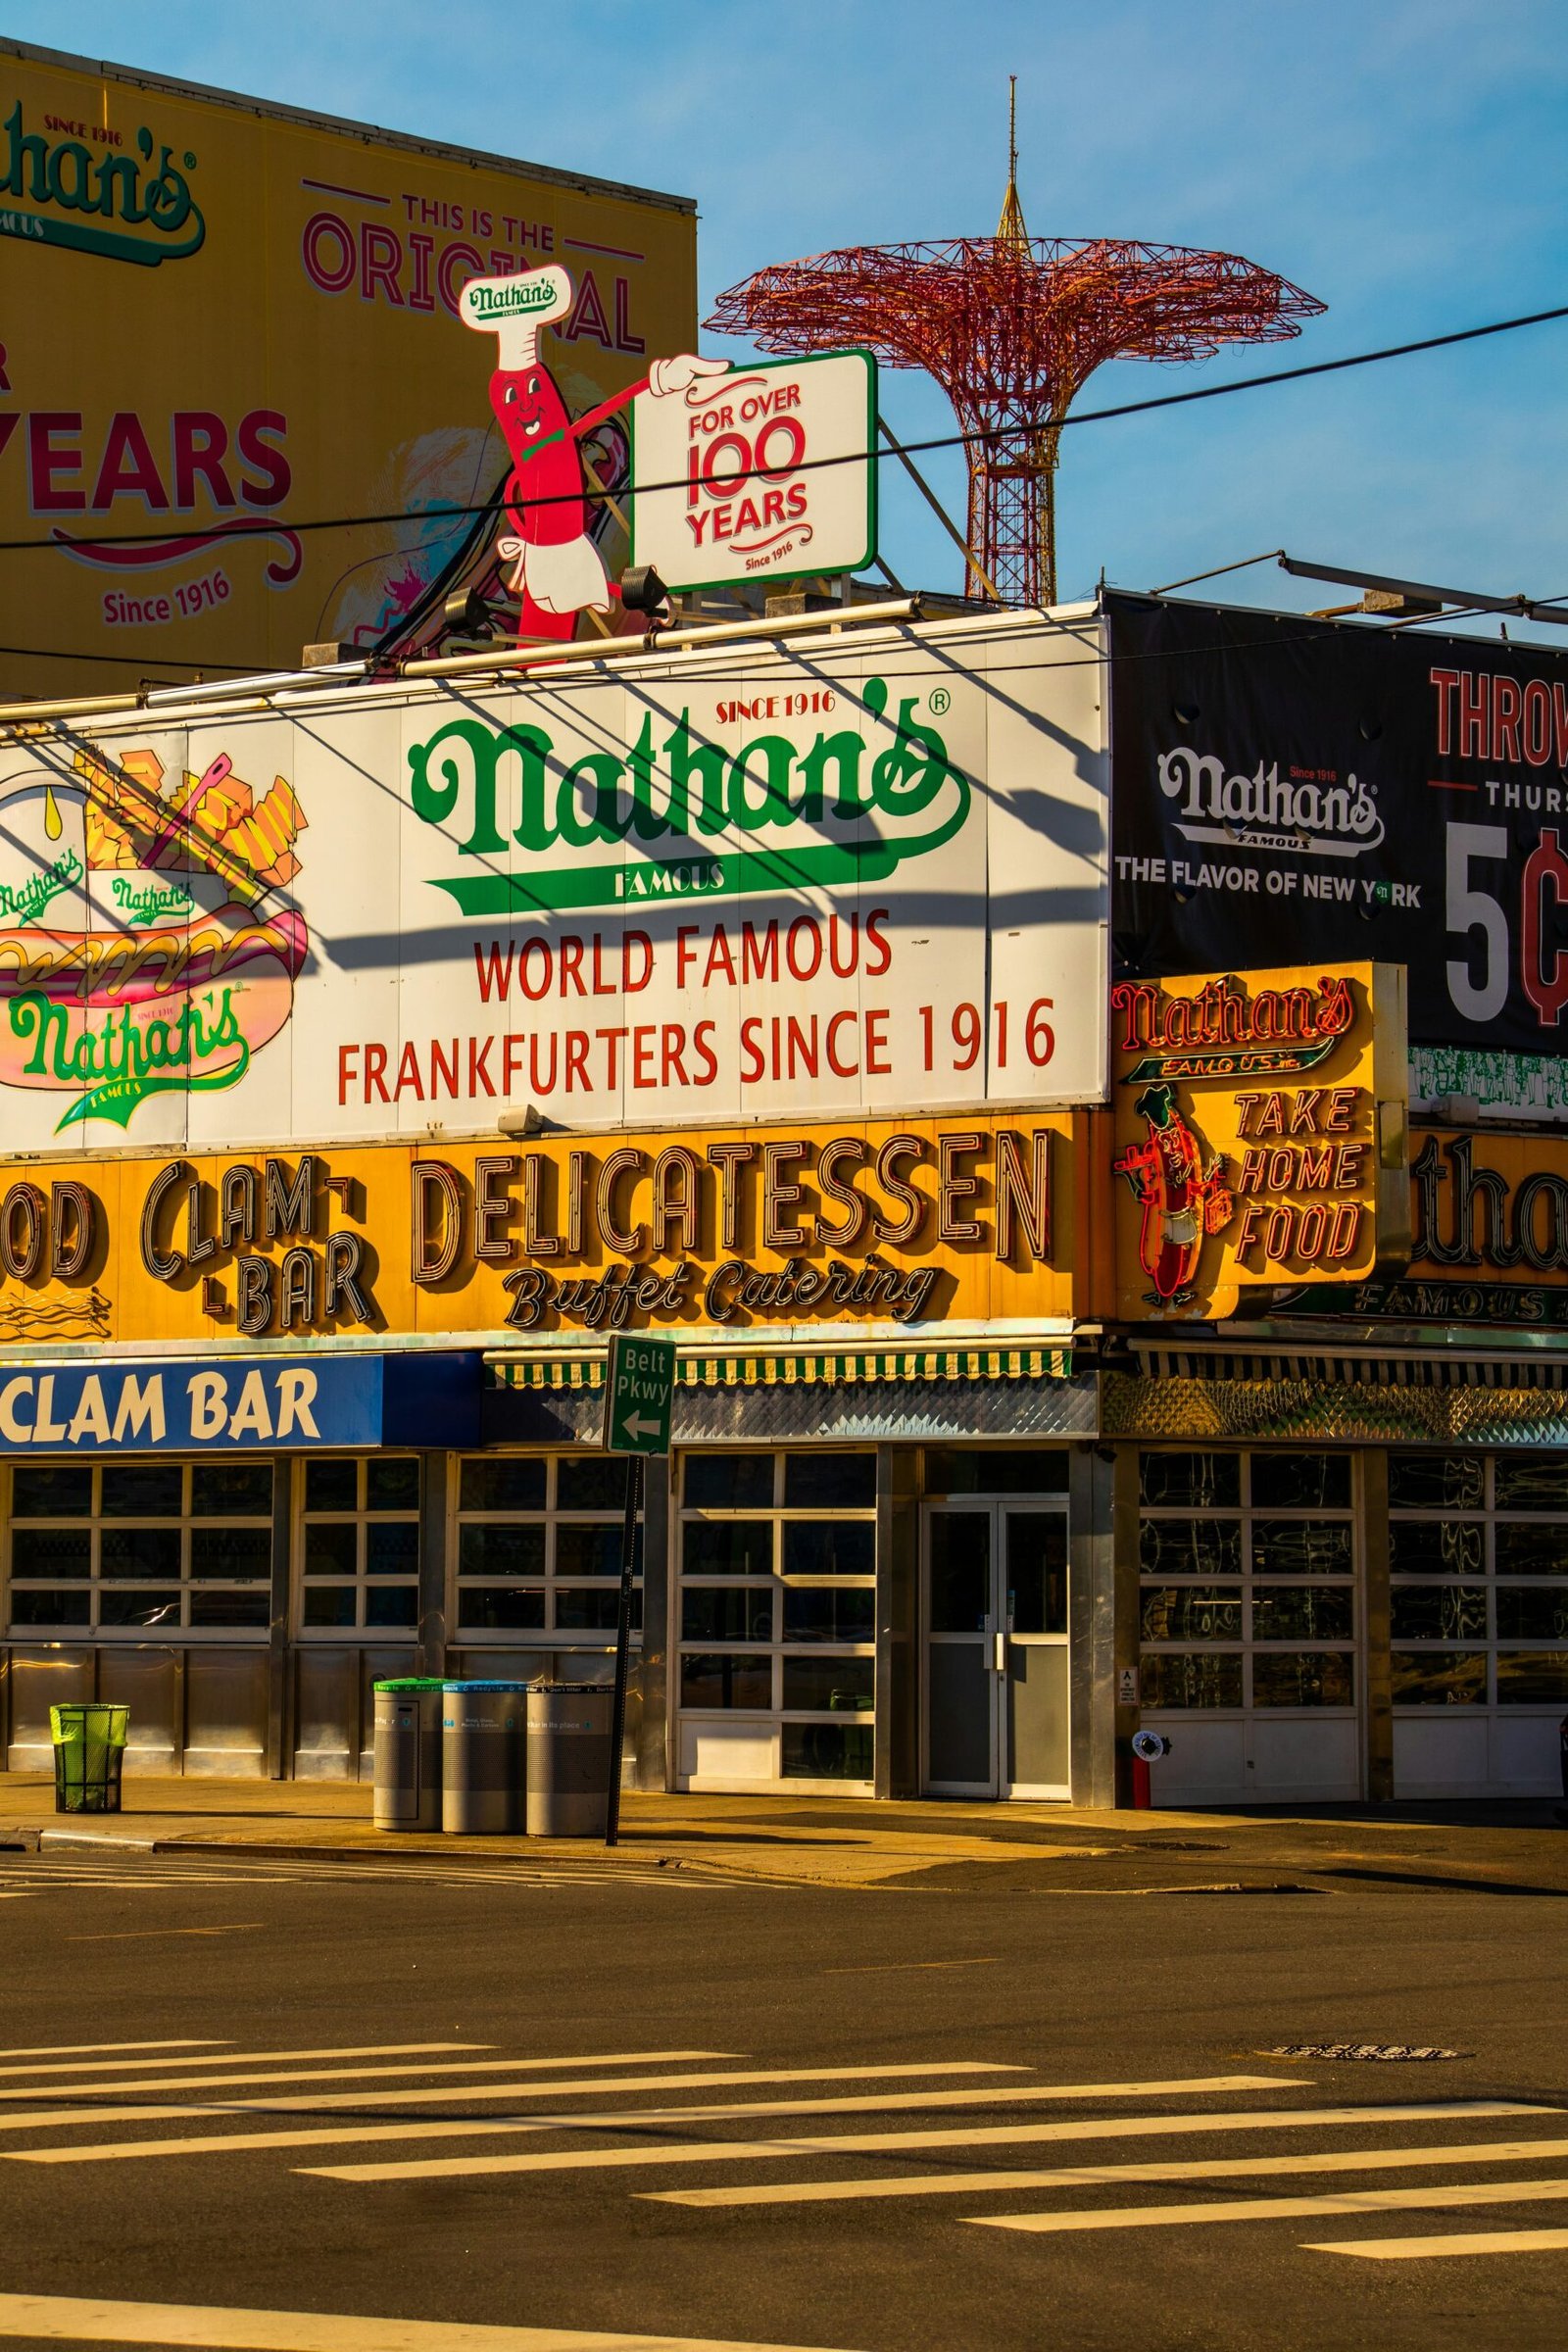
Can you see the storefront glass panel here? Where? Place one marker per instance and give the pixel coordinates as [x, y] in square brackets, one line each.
[126, 1548]
[538, 1550]
[1250, 1623]
[360, 1543]
[1478, 1551]
[776, 1556]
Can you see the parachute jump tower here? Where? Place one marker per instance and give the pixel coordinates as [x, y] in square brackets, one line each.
[1012, 328]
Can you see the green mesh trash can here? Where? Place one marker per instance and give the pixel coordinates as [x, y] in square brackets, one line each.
[90, 1750]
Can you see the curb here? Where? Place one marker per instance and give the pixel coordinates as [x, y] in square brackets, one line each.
[448, 1851]
[100, 1841]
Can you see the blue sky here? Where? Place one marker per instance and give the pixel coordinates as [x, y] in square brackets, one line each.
[1404, 160]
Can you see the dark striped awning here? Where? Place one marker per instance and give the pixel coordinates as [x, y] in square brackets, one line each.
[1370, 1368]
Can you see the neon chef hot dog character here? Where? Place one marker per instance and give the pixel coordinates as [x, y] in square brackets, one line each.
[554, 565]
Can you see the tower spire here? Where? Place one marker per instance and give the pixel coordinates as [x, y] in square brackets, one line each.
[1010, 229]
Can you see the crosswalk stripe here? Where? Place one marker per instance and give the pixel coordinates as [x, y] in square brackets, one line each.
[1441, 2193]
[117, 2066]
[220, 2327]
[586, 2085]
[157, 1870]
[990, 2096]
[349, 2073]
[1459, 2241]
[83, 2049]
[744, 2151]
[474, 2127]
[1088, 2176]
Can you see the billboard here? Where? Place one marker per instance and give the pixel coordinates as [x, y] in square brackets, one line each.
[225, 319]
[1261, 1134]
[1489, 1237]
[1290, 787]
[864, 877]
[898, 1227]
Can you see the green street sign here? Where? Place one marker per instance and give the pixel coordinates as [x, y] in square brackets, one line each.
[637, 1395]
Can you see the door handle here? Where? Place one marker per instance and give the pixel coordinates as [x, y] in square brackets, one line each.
[999, 1653]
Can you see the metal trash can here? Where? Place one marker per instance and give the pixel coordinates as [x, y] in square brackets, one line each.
[408, 1753]
[569, 1759]
[481, 1758]
[89, 1744]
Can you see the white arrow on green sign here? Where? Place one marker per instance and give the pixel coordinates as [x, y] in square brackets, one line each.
[637, 1395]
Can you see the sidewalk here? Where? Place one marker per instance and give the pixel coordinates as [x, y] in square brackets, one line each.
[850, 1843]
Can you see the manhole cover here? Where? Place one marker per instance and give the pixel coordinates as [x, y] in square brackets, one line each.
[1406, 2052]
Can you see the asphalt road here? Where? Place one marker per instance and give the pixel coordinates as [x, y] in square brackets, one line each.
[909, 2000]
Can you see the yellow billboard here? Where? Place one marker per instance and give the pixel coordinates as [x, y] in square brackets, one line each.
[918, 1226]
[1261, 1134]
[225, 321]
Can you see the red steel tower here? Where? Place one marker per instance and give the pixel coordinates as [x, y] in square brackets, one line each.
[1012, 326]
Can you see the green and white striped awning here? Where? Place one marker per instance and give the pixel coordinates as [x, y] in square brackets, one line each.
[708, 1368]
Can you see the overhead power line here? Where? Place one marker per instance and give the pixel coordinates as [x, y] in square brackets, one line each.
[247, 525]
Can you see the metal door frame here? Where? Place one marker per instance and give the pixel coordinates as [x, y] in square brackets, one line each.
[993, 1640]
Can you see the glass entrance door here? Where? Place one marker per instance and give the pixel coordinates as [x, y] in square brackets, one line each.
[994, 1634]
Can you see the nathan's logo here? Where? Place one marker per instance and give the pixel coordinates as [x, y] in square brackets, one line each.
[1310, 813]
[669, 811]
[1222, 1031]
[530, 294]
[84, 194]
[23, 902]
[151, 903]
[174, 996]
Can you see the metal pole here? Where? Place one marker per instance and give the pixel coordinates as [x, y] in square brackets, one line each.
[629, 1533]
[941, 513]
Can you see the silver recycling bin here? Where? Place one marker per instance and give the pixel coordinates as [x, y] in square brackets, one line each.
[407, 1755]
[481, 1758]
[569, 1759]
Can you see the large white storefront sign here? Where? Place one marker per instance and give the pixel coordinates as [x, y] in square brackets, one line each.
[860, 878]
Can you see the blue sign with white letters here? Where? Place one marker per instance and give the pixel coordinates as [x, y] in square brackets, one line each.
[279, 1402]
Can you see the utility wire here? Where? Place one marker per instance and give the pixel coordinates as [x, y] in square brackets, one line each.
[141, 661]
[591, 490]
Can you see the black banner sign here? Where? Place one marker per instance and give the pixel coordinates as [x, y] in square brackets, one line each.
[1287, 791]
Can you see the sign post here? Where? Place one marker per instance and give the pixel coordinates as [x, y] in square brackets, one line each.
[639, 1385]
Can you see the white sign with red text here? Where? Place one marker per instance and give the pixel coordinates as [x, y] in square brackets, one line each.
[766, 474]
[866, 877]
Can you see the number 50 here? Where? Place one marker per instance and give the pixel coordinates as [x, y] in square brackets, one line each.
[1546, 870]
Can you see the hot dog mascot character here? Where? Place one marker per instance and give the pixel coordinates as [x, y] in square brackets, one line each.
[551, 561]
[1183, 1198]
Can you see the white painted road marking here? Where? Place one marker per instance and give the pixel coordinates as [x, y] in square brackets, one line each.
[122, 2065]
[349, 2073]
[222, 2143]
[1438, 2194]
[84, 2049]
[216, 2328]
[1462, 2241]
[1089, 2176]
[745, 2151]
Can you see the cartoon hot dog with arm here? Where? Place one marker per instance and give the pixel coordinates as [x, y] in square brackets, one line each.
[552, 564]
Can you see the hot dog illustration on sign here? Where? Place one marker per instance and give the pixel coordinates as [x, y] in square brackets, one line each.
[148, 945]
[553, 564]
[1182, 1198]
